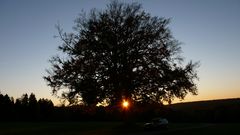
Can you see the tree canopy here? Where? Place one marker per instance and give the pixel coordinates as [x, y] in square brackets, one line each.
[118, 53]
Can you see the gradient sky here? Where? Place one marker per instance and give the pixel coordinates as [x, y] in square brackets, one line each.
[208, 29]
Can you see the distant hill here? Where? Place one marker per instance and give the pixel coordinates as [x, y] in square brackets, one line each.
[206, 104]
[222, 110]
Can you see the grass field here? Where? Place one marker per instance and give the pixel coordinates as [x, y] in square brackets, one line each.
[113, 128]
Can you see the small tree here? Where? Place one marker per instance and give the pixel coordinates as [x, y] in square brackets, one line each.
[121, 52]
[24, 100]
[33, 105]
[32, 100]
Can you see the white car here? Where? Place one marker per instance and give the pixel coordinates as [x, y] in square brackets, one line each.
[157, 123]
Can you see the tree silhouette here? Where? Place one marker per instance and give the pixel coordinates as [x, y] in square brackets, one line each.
[32, 101]
[6, 106]
[46, 108]
[24, 100]
[33, 106]
[118, 53]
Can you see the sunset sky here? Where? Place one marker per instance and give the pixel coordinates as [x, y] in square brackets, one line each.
[208, 29]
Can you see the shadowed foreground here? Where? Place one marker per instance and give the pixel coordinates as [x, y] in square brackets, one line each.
[113, 128]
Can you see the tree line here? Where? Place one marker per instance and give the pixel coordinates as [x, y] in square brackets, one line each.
[25, 108]
[28, 108]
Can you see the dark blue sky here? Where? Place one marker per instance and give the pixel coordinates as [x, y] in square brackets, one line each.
[208, 29]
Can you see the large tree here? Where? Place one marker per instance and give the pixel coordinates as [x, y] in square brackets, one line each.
[121, 52]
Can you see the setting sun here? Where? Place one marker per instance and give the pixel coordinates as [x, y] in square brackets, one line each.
[125, 104]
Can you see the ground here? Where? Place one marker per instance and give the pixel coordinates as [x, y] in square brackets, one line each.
[113, 128]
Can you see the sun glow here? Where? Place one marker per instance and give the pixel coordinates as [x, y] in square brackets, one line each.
[125, 104]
